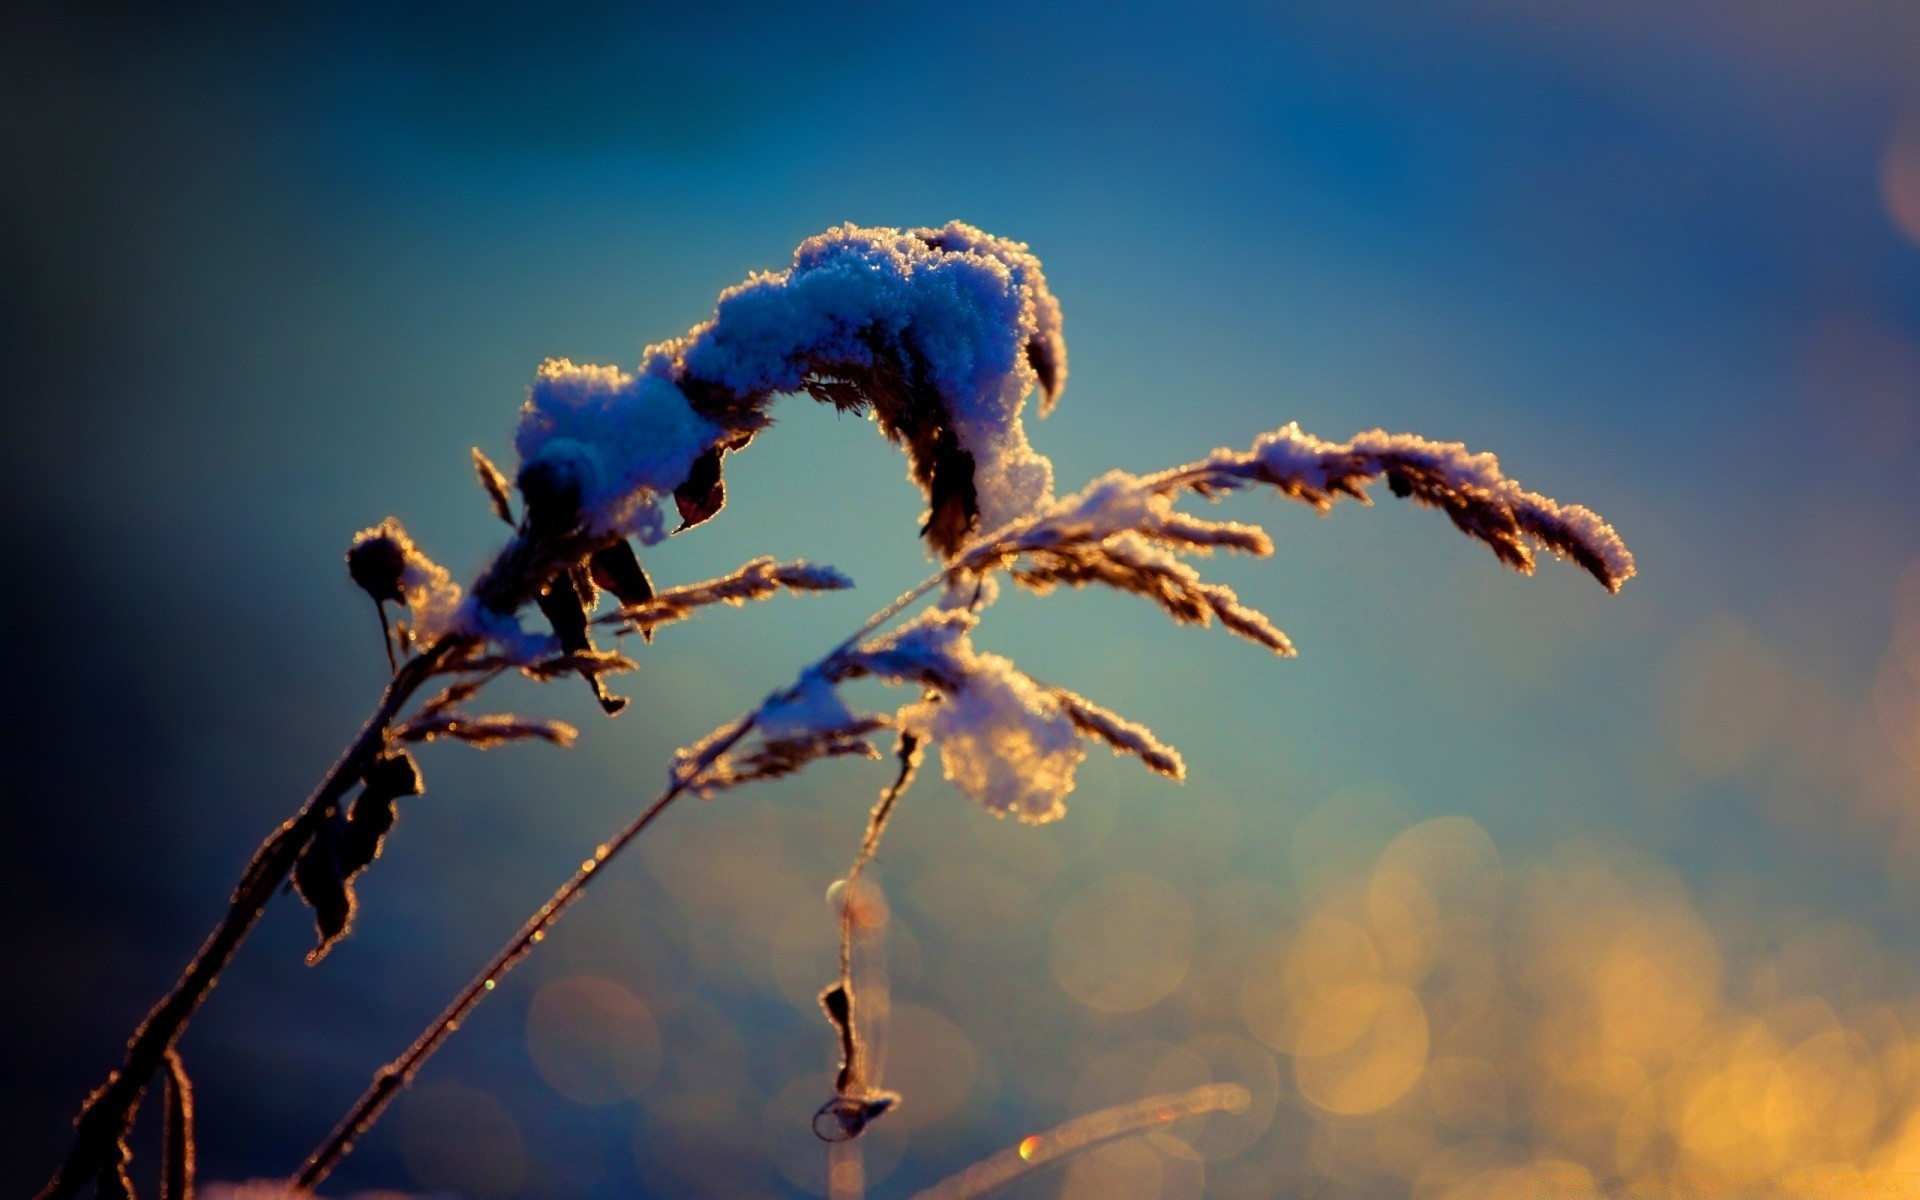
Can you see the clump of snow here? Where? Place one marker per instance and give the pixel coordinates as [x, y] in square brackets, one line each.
[811, 709]
[1006, 743]
[511, 640]
[963, 305]
[624, 438]
[931, 649]
[943, 331]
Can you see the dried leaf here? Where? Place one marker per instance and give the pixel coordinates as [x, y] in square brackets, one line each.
[455, 694]
[837, 1002]
[499, 491]
[1040, 356]
[391, 776]
[703, 493]
[599, 662]
[617, 569]
[565, 601]
[1128, 563]
[324, 884]
[753, 580]
[844, 1118]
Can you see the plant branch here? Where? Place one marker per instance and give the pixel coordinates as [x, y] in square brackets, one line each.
[102, 1125]
[1086, 1133]
[388, 1081]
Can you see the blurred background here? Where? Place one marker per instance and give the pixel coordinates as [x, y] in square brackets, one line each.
[1503, 888]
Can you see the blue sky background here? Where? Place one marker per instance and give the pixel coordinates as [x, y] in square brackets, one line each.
[268, 277]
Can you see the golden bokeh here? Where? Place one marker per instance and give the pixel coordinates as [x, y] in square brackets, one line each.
[461, 1140]
[930, 1061]
[1900, 181]
[592, 1040]
[1153, 1167]
[1123, 943]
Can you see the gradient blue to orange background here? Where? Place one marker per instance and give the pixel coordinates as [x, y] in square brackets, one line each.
[266, 278]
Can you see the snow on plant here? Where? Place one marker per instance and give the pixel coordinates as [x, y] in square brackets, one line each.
[940, 334]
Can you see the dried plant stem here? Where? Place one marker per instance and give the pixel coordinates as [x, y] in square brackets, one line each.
[1085, 1133]
[388, 1081]
[852, 1087]
[176, 1162]
[103, 1123]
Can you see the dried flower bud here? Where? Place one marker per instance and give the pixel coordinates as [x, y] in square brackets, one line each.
[386, 564]
[377, 561]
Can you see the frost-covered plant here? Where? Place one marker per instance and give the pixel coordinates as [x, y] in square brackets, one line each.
[941, 334]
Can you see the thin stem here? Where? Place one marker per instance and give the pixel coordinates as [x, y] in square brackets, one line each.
[176, 1160]
[855, 1101]
[1085, 1133]
[388, 1081]
[869, 844]
[386, 634]
[103, 1122]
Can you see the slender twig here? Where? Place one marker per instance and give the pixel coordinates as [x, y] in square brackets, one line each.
[856, 1101]
[177, 1153]
[386, 634]
[1085, 1133]
[102, 1125]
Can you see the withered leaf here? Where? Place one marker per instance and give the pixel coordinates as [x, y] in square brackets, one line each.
[561, 602]
[1041, 358]
[325, 885]
[617, 569]
[487, 730]
[703, 493]
[565, 601]
[391, 776]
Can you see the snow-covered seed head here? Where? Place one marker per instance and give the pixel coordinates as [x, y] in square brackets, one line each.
[385, 564]
[377, 559]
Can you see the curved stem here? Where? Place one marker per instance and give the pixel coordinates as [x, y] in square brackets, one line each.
[108, 1113]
